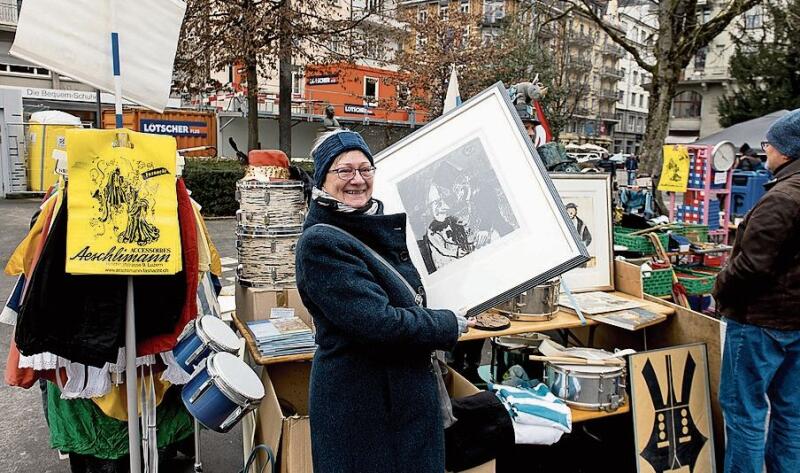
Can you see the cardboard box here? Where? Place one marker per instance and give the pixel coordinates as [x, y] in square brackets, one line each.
[292, 434]
[254, 303]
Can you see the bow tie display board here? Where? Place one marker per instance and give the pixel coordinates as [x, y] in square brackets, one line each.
[121, 195]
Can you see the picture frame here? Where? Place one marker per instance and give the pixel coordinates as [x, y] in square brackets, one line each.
[671, 407]
[484, 221]
[587, 198]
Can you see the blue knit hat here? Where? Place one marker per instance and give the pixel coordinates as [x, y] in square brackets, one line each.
[326, 152]
[784, 134]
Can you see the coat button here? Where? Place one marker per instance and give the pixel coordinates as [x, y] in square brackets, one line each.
[404, 256]
[421, 291]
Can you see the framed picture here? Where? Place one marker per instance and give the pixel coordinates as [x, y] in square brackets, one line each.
[484, 220]
[587, 198]
[672, 410]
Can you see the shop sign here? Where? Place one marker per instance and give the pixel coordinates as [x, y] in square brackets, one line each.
[322, 80]
[173, 127]
[359, 109]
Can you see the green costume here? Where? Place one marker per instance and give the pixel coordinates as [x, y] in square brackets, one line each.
[79, 426]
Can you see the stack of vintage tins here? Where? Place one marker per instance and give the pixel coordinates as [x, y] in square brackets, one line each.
[269, 221]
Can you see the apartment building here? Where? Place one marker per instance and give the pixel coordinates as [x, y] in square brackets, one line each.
[707, 78]
[639, 23]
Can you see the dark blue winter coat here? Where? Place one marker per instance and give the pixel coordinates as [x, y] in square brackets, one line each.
[373, 400]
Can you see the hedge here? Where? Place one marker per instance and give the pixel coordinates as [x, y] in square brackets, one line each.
[213, 184]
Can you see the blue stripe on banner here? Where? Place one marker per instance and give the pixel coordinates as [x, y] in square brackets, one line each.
[543, 412]
[115, 52]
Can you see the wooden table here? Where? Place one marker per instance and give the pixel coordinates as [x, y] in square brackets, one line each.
[255, 354]
[563, 320]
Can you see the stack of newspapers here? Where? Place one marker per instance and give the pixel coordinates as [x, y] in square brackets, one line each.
[283, 336]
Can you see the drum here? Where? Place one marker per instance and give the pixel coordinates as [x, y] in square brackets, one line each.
[592, 388]
[280, 203]
[536, 304]
[204, 336]
[220, 393]
[513, 350]
[266, 255]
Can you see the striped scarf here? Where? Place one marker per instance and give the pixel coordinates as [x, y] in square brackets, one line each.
[323, 198]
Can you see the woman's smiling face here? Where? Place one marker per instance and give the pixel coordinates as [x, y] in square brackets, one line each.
[355, 192]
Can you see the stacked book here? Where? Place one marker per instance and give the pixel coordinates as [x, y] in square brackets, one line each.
[282, 337]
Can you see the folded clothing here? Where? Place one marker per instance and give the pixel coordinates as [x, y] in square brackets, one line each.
[537, 415]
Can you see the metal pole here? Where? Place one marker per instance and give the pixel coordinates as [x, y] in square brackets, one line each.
[130, 381]
[198, 464]
[134, 437]
[98, 121]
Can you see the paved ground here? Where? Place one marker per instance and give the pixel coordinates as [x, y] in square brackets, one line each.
[24, 438]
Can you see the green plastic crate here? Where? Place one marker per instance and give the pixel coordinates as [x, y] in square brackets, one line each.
[658, 283]
[694, 232]
[638, 243]
[700, 283]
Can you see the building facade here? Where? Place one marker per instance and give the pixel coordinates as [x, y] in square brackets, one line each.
[592, 59]
[638, 23]
[707, 78]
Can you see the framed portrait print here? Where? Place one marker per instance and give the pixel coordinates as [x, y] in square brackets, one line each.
[484, 220]
[671, 408]
[587, 198]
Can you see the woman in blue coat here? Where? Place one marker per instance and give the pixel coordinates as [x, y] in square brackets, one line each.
[373, 398]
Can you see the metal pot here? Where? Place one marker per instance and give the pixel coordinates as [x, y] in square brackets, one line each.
[536, 304]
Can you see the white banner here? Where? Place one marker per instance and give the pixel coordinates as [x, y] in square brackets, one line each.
[74, 39]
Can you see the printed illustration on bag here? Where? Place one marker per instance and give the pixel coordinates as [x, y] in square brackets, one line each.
[122, 204]
[126, 201]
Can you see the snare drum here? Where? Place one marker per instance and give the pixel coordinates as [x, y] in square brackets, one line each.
[266, 255]
[536, 304]
[262, 203]
[204, 336]
[592, 388]
[222, 392]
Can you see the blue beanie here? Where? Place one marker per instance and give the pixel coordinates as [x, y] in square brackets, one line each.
[784, 134]
[327, 151]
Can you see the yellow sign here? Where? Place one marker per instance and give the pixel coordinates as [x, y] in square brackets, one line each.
[122, 203]
[675, 171]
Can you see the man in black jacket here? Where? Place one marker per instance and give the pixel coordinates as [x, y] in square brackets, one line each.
[758, 293]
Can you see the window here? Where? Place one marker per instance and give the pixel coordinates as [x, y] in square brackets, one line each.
[639, 124]
[297, 79]
[27, 70]
[633, 99]
[421, 41]
[422, 15]
[636, 77]
[700, 59]
[687, 104]
[371, 91]
[752, 20]
[703, 15]
[443, 12]
[621, 96]
[630, 123]
[641, 100]
[403, 94]
[375, 5]
[464, 6]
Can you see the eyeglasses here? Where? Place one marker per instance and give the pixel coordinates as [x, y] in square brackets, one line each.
[347, 174]
[764, 145]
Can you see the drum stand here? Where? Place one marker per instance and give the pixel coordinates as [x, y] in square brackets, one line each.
[198, 465]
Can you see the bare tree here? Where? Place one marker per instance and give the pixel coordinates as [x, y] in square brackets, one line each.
[680, 33]
[256, 34]
[434, 43]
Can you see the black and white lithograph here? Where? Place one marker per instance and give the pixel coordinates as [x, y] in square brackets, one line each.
[456, 206]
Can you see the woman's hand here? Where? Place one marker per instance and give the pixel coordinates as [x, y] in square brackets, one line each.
[463, 323]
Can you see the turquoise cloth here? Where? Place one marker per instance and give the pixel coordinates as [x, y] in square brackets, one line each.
[79, 426]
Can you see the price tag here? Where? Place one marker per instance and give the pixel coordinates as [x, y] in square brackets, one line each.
[720, 177]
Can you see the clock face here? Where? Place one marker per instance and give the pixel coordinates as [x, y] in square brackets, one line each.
[723, 155]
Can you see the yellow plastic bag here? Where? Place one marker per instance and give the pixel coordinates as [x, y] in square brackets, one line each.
[675, 170]
[122, 204]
